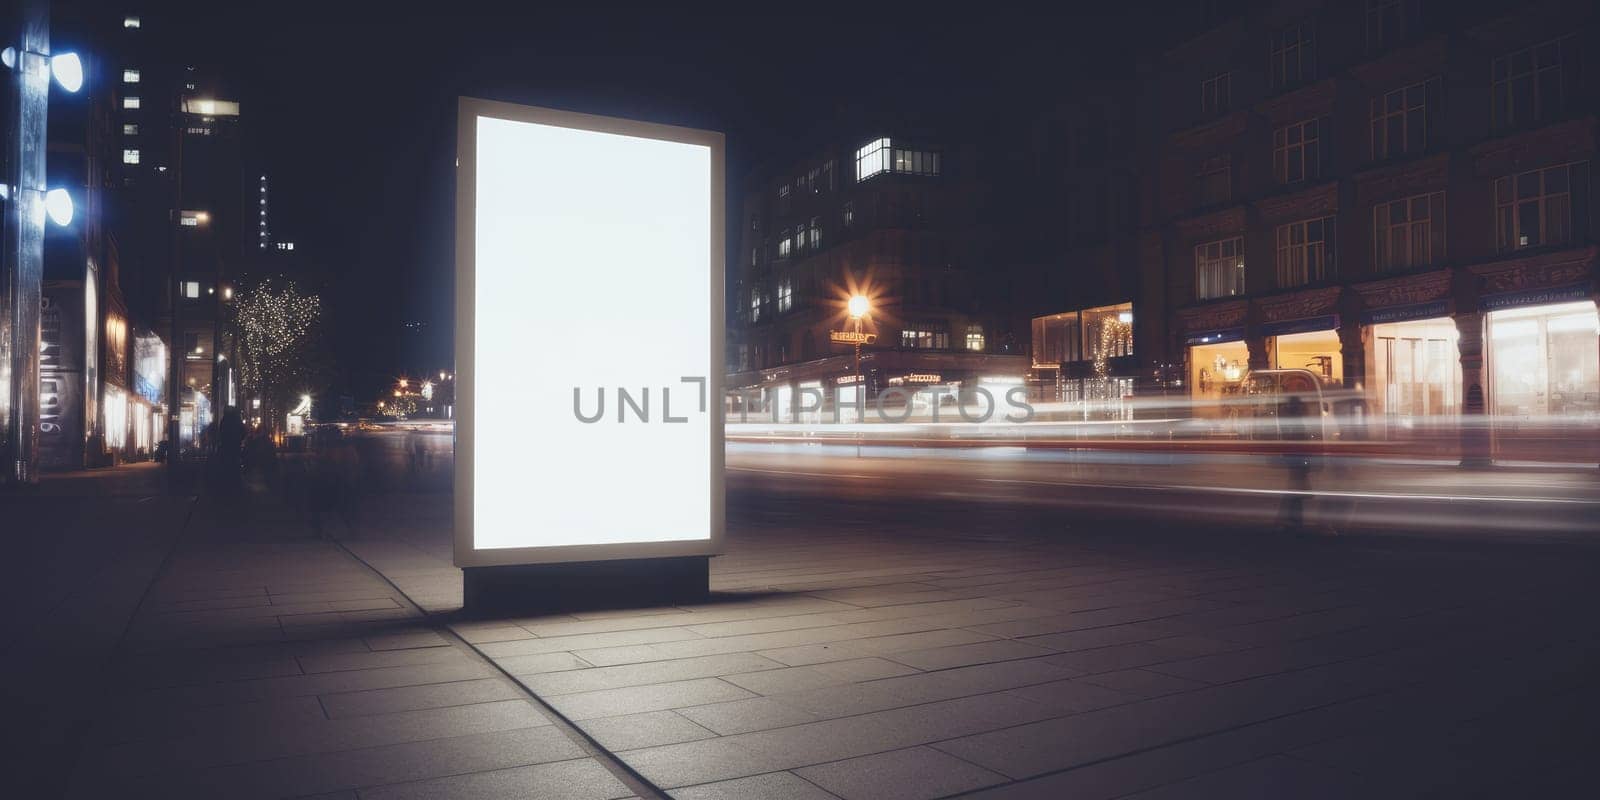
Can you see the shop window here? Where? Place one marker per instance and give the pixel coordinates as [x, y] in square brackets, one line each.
[1317, 351]
[1056, 340]
[1305, 252]
[1409, 233]
[1219, 268]
[1415, 368]
[1542, 207]
[1544, 361]
[1108, 333]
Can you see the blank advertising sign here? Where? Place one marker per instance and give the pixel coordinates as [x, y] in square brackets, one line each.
[589, 337]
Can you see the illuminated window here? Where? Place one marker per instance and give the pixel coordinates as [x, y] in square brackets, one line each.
[130, 102]
[1532, 85]
[755, 254]
[811, 179]
[1215, 94]
[975, 339]
[784, 245]
[814, 235]
[1403, 119]
[130, 129]
[1293, 55]
[1409, 233]
[785, 295]
[130, 22]
[1542, 207]
[849, 213]
[925, 336]
[755, 303]
[130, 156]
[880, 155]
[130, 76]
[1297, 151]
[191, 289]
[1305, 251]
[1219, 268]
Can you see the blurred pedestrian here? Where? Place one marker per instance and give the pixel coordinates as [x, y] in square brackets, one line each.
[227, 460]
[1294, 427]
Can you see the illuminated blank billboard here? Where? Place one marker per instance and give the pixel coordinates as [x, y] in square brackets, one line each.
[588, 337]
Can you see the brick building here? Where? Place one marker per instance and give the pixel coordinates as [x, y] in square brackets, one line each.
[1394, 193]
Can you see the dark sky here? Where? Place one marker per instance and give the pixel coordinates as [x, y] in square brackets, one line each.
[352, 107]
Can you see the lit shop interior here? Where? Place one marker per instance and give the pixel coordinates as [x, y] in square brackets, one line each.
[1413, 368]
[1544, 361]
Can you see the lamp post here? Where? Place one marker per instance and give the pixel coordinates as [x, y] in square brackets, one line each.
[27, 205]
[858, 307]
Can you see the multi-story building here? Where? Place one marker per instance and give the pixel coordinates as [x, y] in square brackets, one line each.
[181, 200]
[885, 217]
[1066, 222]
[1393, 193]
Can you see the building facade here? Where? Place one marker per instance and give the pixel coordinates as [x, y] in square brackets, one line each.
[893, 220]
[1395, 194]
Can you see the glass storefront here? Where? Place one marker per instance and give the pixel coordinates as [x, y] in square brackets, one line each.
[1317, 351]
[1414, 368]
[1544, 361]
[1215, 372]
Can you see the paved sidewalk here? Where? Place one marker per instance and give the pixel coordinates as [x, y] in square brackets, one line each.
[995, 655]
[267, 662]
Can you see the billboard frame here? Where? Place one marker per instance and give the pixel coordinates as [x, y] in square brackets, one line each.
[468, 557]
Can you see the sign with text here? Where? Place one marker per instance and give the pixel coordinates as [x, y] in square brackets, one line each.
[600, 241]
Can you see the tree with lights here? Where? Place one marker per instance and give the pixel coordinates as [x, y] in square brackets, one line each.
[281, 350]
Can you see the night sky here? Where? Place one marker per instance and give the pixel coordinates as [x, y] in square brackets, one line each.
[353, 110]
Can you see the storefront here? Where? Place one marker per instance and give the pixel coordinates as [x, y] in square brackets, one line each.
[1218, 362]
[1543, 360]
[1413, 362]
[1311, 344]
[1083, 363]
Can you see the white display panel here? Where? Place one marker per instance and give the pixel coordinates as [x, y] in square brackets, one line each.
[594, 265]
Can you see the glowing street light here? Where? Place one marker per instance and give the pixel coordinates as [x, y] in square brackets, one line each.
[859, 306]
[68, 70]
[58, 204]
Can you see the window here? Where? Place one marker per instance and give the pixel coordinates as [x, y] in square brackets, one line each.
[130, 156]
[130, 22]
[1297, 151]
[784, 245]
[130, 102]
[849, 213]
[1214, 181]
[815, 233]
[191, 289]
[755, 254]
[925, 336]
[130, 129]
[1305, 252]
[1219, 268]
[1214, 94]
[1402, 120]
[811, 180]
[130, 76]
[827, 175]
[1531, 86]
[755, 220]
[783, 199]
[1541, 207]
[1293, 57]
[785, 295]
[191, 345]
[880, 155]
[975, 339]
[1409, 233]
[1389, 22]
[755, 303]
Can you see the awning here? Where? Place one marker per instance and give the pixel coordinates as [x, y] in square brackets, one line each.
[1214, 337]
[1323, 323]
[1378, 316]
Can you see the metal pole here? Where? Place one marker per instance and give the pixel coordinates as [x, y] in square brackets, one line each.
[861, 390]
[22, 259]
[174, 290]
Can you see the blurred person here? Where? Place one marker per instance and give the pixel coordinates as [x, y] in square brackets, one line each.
[230, 450]
[1294, 420]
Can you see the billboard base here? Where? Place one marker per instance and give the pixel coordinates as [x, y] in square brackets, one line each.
[579, 585]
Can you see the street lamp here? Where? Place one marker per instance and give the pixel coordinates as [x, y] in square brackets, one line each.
[859, 306]
[58, 204]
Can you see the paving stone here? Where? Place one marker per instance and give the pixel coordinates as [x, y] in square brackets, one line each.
[653, 697]
[743, 716]
[405, 698]
[771, 786]
[915, 773]
[633, 731]
[580, 779]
